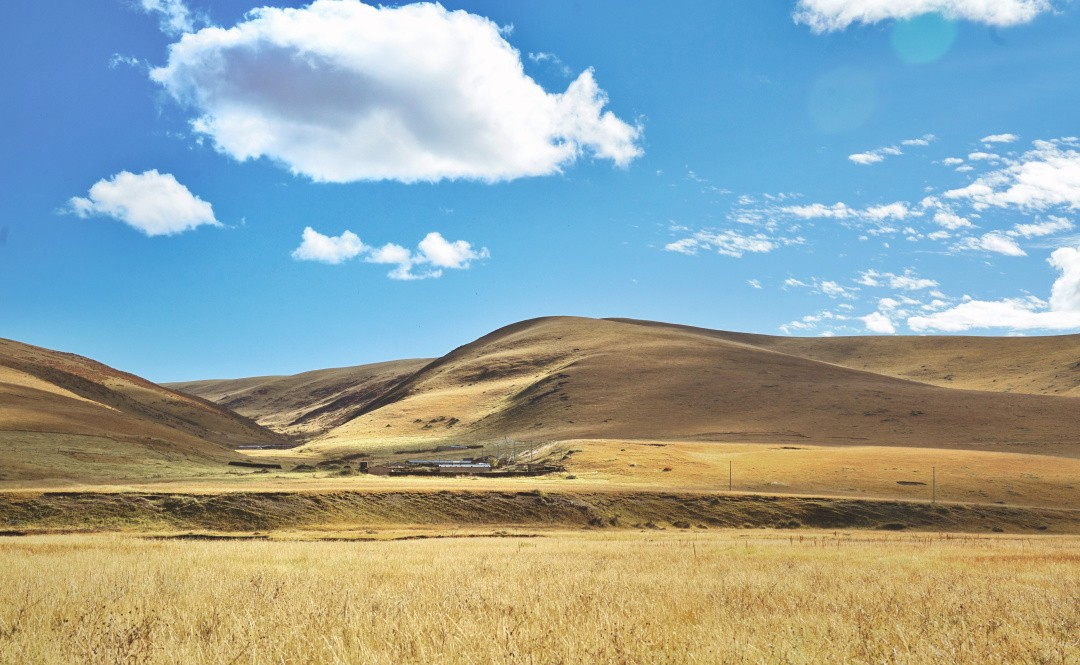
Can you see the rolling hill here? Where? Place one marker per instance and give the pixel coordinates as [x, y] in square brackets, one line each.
[574, 378]
[307, 404]
[62, 415]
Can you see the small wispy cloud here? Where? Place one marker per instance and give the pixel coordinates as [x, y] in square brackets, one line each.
[878, 155]
[995, 242]
[552, 60]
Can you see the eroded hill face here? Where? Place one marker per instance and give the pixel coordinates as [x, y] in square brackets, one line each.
[60, 410]
[563, 378]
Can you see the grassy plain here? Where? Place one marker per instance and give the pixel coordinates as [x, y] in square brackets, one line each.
[969, 476]
[557, 597]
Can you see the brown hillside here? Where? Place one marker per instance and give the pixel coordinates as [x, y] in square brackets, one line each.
[563, 378]
[305, 404]
[57, 403]
[1032, 365]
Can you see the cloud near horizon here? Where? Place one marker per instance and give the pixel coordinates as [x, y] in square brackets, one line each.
[833, 15]
[433, 254]
[1062, 312]
[340, 91]
[151, 202]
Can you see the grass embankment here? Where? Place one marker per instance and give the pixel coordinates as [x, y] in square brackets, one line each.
[258, 511]
[585, 597]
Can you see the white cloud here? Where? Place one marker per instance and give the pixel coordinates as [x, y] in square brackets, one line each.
[842, 211]
[814, 321]
[983, 157]
[924, 140]
[899, 211]
[174, 15]
[834, 290]
[1037, 229]
[438, 251]
[328, 249]
[867, 158]
[908, 281]
[1045, 177]
[340, 91]
[994, 241]
[824, 287]
[951, 220]
[952, 161]
[729, 243]
[830, 15]
[754, 283]
[154, 203]
[821, 211]
[1000, 138]
[551, 59]
[878, 323]
[1062, 312]
[879, 154]
[433, 254]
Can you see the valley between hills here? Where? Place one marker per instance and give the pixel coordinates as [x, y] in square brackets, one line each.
[644, 423]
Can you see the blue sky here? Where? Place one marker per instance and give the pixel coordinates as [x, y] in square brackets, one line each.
[202, 190]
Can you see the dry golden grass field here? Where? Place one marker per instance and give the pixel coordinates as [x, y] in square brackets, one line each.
[555, 597]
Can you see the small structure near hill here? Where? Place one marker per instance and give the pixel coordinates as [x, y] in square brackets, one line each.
[467, 467]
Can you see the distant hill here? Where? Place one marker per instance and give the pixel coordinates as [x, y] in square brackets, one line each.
[65, 415]
[1031, 365]
[308, 404]
[564, 378]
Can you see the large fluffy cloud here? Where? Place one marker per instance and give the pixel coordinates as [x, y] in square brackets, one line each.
[433, 254]
[829, 15]
[1062, 312]
[341, 91]
[154, 203]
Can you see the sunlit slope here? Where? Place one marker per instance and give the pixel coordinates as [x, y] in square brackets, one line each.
[558, 378]
[1033, 365]
[51, 401]
[304, 404]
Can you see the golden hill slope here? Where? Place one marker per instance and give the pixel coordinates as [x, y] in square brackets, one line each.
[1031, 365]
[305, 404]
[563, 378]
[56, 405]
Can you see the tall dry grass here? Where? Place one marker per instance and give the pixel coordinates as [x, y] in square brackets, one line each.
[587, 597]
